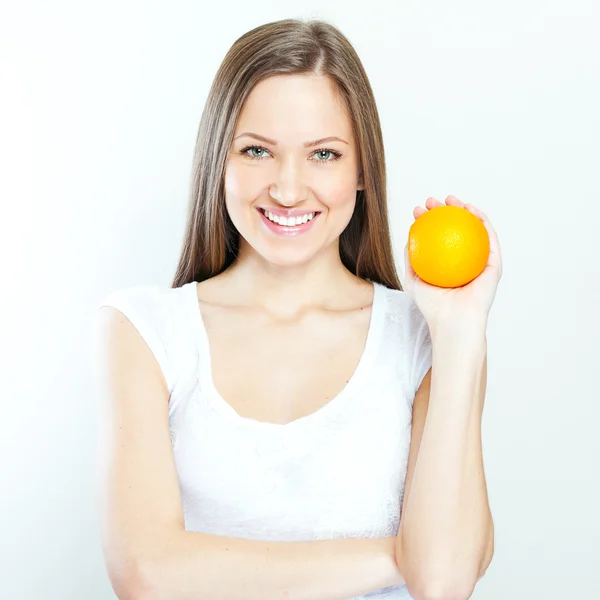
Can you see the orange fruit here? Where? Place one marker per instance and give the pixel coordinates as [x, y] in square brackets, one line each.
[448, 246]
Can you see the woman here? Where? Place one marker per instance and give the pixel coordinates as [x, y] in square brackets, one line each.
[265, 431]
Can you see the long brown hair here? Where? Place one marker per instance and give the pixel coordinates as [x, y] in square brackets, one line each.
[289, 46]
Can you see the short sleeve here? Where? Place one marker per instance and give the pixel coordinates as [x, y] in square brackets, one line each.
[421, 344]
[145, 307]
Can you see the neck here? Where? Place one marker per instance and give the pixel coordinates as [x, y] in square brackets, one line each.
[287, 290]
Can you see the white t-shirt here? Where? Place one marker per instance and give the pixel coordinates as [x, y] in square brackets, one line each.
[338, 472]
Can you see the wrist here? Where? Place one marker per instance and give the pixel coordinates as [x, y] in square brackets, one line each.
[467, 330]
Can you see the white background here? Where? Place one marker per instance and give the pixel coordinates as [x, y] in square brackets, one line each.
[496, 103]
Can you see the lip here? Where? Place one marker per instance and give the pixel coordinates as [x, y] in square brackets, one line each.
[287, 231]
[288, 212]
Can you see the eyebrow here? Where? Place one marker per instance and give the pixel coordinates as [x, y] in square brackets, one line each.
[274, 143]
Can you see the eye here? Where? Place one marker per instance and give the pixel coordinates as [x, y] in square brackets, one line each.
[326, 151]
[258, 153]
[259, 148]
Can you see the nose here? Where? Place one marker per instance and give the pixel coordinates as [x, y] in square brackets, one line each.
[289, 188]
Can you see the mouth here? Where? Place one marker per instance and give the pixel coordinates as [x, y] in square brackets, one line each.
[288, 225]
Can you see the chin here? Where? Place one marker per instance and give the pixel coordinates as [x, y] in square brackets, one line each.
[288, 251]
[286, 257]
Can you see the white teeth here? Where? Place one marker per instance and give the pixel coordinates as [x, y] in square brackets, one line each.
[289, 221]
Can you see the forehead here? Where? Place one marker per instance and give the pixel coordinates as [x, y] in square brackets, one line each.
[286, 107]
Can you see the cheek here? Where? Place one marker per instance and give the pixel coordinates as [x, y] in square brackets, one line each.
[242, 183]
[241, 190]
[338, 194]
[335, 184]
[341, 198]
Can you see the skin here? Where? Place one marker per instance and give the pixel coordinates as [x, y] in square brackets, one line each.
[288, 292]
[446, 535]
[294, 297]
[280, 289]
[292, 110]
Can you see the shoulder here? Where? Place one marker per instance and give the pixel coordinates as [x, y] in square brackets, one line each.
[150, 300]
[400, 308]
[134, 296]
[158, 316]
[158, 312]
[406, 337]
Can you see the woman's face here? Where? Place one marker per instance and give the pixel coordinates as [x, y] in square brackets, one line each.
[291, 174]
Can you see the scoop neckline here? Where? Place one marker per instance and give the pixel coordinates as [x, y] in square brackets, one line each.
[221, 406]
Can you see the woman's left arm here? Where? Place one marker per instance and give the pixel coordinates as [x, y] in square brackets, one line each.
[445, 538]
[446, 534]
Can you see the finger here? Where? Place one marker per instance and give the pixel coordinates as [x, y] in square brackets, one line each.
[418, 211]
[431, 202]
[482, 216]
[454, 201]
[495, 254]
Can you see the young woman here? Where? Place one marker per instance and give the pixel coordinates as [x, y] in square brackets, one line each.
[286, 421]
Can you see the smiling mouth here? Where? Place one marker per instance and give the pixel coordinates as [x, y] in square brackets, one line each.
[289, 221]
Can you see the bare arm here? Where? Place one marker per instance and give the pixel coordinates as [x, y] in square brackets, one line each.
[200, 565]
[148, 553]
[446, 533]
